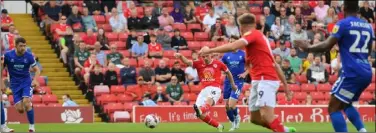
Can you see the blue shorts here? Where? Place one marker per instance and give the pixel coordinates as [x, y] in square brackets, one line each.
[228, 92]
[349, 89]
[20, 92]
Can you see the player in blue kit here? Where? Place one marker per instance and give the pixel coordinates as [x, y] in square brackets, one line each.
[235, 62]
[18, 63]
[354, 37]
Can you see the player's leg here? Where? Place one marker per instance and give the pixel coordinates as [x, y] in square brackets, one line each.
[4, 127]
[226, 96]
[28, 106]
[234, 97]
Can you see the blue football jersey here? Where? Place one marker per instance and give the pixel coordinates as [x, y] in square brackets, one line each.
[19, 67]
[235, 61]
[354, 38]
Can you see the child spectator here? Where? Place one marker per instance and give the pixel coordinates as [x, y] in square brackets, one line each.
[155, 49]
[110, 77]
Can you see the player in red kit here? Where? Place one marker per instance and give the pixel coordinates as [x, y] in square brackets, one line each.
[209, 72]
[266, 73]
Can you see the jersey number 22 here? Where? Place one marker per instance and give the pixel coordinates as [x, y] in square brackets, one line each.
[354, 47]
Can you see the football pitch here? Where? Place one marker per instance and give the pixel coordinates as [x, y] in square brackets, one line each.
[174, 127]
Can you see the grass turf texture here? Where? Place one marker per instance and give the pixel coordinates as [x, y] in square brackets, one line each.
[174, 127]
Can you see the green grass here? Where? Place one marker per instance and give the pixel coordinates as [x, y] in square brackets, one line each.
[173, 127]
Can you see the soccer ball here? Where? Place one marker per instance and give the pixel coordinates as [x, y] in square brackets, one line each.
[151, 121]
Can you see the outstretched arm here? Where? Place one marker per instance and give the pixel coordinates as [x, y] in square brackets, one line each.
[225, 48]
[184, 59]
[319, 47]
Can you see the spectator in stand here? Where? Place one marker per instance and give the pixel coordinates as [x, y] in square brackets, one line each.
[89, 39]
[367, 12]
[108, 6]
[95, 78]
[275, 10]
[110, 77]
[201, 11]
[300, 18]
[289, 7]
[165, 20]
[74, 20]
[8, 39]
[289, 73]
[147, 73]
[157, 10]
[66, 8]
[102, 39]
[309, 100]
[68, 102]
[218, 32]
[277, 29]
[164, 39]
[147, 101]
[231, 28]
[321, 11]
[336, 65]
[128, 74]
[63, 31]
[308, 62]
[127, 11]
[149, 21]
[115, 56]
[289, 28]
[330, 26]
[191, 72]
[341, 14]
[36, 6]
[178, 42]
[178, 72]
[139, 48]
[317, 73]
[160, 96]
[219, 9]
[229, 5]
[283, 16]
[6, 20]
[101, 55]
[177, 15]
[188, 15]
[298, 34]
[94, 6]
[174, 91]
[118, 22]
[88, 20]
[307, 11]
[52, 15]
[131, 39]
[155, 49]
[162, 73]
[210, 20]
[75, 44]
[89, 65]
[282, 50]
[134, 21]
[295, 61]
[278, 59]
[311, 33]
[270, 18]
[336, 6]
[263, 27]
[329, 18]
[245, 99]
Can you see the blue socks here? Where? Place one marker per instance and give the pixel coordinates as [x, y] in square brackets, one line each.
[354, 117]
[235, 111]
[230, 114]
[338, 122]
[2, 114]
[30, 116]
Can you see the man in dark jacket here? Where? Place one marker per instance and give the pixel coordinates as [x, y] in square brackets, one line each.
[218, 31]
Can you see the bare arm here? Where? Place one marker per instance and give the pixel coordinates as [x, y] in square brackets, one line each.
[319, 47]
[184, 59]
[225, 48]
[37, 74]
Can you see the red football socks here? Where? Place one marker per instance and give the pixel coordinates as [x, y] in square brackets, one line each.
[210, 121]
[277, 126]
[205, 108]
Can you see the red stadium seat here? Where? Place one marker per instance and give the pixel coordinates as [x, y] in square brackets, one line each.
[373, 78]
[194, 26]
[255, 10]
[123, 37]
[39, 105]
[120, 45]
[164, 103]
[332, 79]
[196, 89]
[186, 88]
[128, 106]
[194, 45]
[49, 99]
[201, 36]
[308, 87]
[317, 96]
[107, 27]
[41, 80]
[124, 98]
[186, 53]
[99, 19]
[108, 16]
[121, 116]
[169, 54]
[302, 78]
[117, 89]
[36, 99]
[125, 53]
[180, 103]
[328, 69]
[133, 62]
[324, 87]
[246, 86]
[112, 107]
[187, 35]
[101, 89]
[180, 26]
[108, 98]
[327, 95]
[366, 96]
[322, 102]
[294, 87]
[208, 43]
[54, 105]
[281, 96]
[141, 63]
[112, 36]
[300, 95]
[44, 89]
[190, 96]
[272, 44]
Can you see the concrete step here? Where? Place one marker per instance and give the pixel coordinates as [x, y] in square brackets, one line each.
[34, 38]
[47, 55]
[55, 70]
[34, 46]
[55, 74]
[51, 65]
[30, 33]
[44, 51]
[86, 104]
[78, 101]
[37, 42]
[59, 78]
[97, 119]
[67, 87]
[60, 83]
[49, 60]
[80, 96]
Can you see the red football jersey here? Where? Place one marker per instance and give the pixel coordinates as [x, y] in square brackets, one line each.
[154, 48]
[259, 54]
[210, 75]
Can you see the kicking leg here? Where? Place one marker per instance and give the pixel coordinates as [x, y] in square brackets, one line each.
[354, 117]
[30, 112]
[335, 111]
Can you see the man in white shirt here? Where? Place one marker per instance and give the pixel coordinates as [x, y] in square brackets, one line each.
[209, 20]
[118, 22]
[191, 73]
[321, 11]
